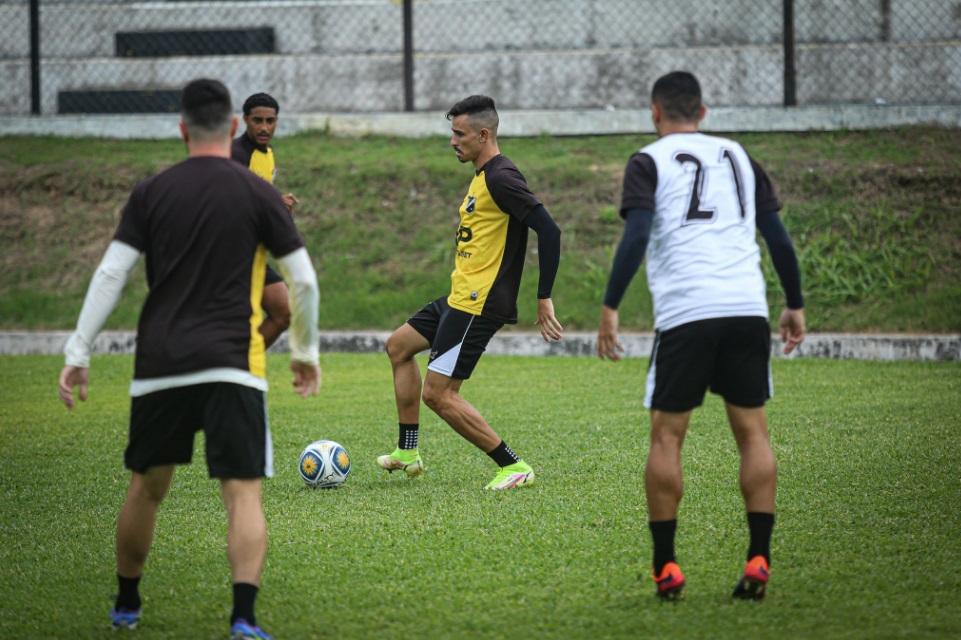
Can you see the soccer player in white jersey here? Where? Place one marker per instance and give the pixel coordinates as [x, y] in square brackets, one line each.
[693, 203]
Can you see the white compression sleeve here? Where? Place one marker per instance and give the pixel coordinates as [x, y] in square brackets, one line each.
[301, 279]
[102, 297]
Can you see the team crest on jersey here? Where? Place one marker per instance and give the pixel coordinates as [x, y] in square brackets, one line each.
[471, 201]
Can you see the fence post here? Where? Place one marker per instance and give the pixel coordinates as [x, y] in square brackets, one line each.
[35, 57]
[790, 73]
[885, 20]
[408, 55]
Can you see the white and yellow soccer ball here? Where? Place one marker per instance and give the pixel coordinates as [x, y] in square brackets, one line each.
[324, 464]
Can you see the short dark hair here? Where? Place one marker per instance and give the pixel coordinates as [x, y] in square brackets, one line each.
[260, 100]
[206, 107]
[479, 109]
[679, 95]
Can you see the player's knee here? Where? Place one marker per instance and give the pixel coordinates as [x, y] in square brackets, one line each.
[391, 348]
[431, 398]
[396, 351]
[148, 492]
[434, 398]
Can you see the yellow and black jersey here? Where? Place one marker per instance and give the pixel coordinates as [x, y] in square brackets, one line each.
[492, 242]
[258, 159]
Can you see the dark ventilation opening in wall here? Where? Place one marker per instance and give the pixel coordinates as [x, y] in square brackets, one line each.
[195, 42]
[119, 101]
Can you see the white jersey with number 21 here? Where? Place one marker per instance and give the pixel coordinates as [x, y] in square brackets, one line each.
[703, 260]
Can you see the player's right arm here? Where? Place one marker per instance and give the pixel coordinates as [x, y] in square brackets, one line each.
[627, 260]
[637, 209]
[304, 304]
[104, 292]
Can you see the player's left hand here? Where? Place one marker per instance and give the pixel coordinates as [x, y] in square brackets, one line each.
[792, 328]
[608, 347]
[71, 377]
[550, 328]
[290, 200]
[306, 378]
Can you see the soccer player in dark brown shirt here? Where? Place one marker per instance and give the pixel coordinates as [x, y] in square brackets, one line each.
[204, 226]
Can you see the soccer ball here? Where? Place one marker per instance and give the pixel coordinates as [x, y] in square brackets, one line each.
[324, 464]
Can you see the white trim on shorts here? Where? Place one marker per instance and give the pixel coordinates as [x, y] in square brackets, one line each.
[445, 363]
[651, 373]
[770, 381]
[268, 445]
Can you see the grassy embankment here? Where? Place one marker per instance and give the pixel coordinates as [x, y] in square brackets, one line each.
[874, 217]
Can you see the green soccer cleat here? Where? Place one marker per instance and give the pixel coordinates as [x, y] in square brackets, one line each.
[406, 460]
[512, 476]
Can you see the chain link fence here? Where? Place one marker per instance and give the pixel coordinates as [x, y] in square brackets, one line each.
[328, 56]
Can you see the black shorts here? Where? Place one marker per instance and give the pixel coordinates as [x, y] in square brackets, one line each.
[233, 418]
[728, 356]
[457, 338]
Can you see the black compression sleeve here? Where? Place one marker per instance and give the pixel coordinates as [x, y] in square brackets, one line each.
[630, 254]
[783, 256]
[548, 248]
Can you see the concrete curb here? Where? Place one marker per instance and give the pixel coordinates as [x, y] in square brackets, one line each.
[836, 346]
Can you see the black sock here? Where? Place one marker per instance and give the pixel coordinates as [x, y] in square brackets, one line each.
[408, 436]
[662, 532]
[761, 525]
[503, 456]
[128, 593]
[244, 596]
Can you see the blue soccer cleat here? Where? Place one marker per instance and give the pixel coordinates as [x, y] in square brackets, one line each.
[243, 630]
[122, 618]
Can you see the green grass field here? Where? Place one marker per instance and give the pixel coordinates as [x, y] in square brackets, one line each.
[866, 546]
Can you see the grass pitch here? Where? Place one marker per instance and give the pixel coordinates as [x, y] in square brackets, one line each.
[866, 543]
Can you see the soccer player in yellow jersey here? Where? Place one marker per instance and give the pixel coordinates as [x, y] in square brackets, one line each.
[252, 149]
[490, 246]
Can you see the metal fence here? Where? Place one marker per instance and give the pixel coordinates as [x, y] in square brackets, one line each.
[72, 56]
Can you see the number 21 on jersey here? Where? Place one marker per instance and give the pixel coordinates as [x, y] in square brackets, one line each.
[699, 209]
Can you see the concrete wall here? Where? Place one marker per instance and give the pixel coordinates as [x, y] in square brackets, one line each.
[344, 56]
[85, 30]
[910, 73]
[746, 76]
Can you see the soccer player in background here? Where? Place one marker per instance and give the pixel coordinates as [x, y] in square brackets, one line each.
[253, 150]
[205, 226]
[694, 202]
[491, 245]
